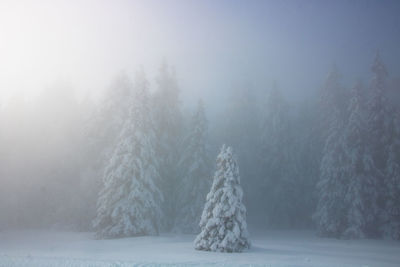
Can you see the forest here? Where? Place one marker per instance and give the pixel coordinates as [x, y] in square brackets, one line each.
[181, 132]
[330, 163]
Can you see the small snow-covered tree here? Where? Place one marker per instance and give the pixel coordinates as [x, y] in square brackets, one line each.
[223, 222]
[129, 204]
[361, 193]
[195, 180]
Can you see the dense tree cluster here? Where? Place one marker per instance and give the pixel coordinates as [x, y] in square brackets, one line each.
[359, 178]
[331, 162]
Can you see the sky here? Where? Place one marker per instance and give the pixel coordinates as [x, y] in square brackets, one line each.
[214, 45]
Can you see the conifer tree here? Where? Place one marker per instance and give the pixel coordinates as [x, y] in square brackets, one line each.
[195, 180]
[361, 193]
[168, 125]
[223, 222]
[129, 203]
[391, 227]
[379, 114]
[379, 120]
[106, 122]
[277, 161]
[330, 215]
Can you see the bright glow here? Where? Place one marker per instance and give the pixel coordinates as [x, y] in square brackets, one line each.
[82, 42]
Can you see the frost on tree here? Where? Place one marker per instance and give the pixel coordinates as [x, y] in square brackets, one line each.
[379, 120]
[107, 121]
[129, 204]
[391, 227]
[168, 126]
[195, 181]
[278, 166]
[223, 222]
[361, 194]
[330, 215]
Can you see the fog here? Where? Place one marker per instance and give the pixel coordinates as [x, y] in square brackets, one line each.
[267, 73]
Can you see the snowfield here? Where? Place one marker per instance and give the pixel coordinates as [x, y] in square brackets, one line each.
[272, 249]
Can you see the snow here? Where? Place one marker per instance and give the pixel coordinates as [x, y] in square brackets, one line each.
[272, 249]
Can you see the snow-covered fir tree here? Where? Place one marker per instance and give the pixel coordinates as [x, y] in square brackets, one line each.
[277, 161]
[107, 120]
[168, 125]
[195, 181]
[332, 96]
[330, 215]
[379, 114]
[223, 222]
[379, 120]
[102, 127]
[129, 203]
[361, 193]
[391, 226]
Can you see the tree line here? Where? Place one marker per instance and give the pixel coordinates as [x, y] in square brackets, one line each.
[330, 162]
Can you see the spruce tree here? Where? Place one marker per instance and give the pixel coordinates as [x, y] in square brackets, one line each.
[168, 125]
[195, 180]
[223, 222]
[379, 119]
[379, 114]
[330, 215]
[107, 121]
[391, 226]
[129, 203]
[278, 163]
[361, 193]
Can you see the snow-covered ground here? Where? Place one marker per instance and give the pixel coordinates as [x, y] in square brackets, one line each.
[274, 248]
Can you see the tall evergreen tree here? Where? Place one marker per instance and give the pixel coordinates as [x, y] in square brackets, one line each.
[129, 203]
[169, 125]
[278, 172]
[100, 134]
[361, 193]
[391, 227]
[223, 222]
[332, 102]
[330, 215]
[195, 168]
[379, 119]
[107, 120]
[379, 114]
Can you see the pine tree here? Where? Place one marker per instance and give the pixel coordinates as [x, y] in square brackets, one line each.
[361, 194]
[168, 123]
[129, 204]
[195, 178]
[223, 222]
[391, 227]
[330, 215]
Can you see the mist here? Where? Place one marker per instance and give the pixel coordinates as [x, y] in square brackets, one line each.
[121, 119]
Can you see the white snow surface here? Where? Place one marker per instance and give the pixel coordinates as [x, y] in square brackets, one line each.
[272, 249]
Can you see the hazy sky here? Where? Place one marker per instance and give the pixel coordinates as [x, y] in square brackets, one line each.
[213, 44]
